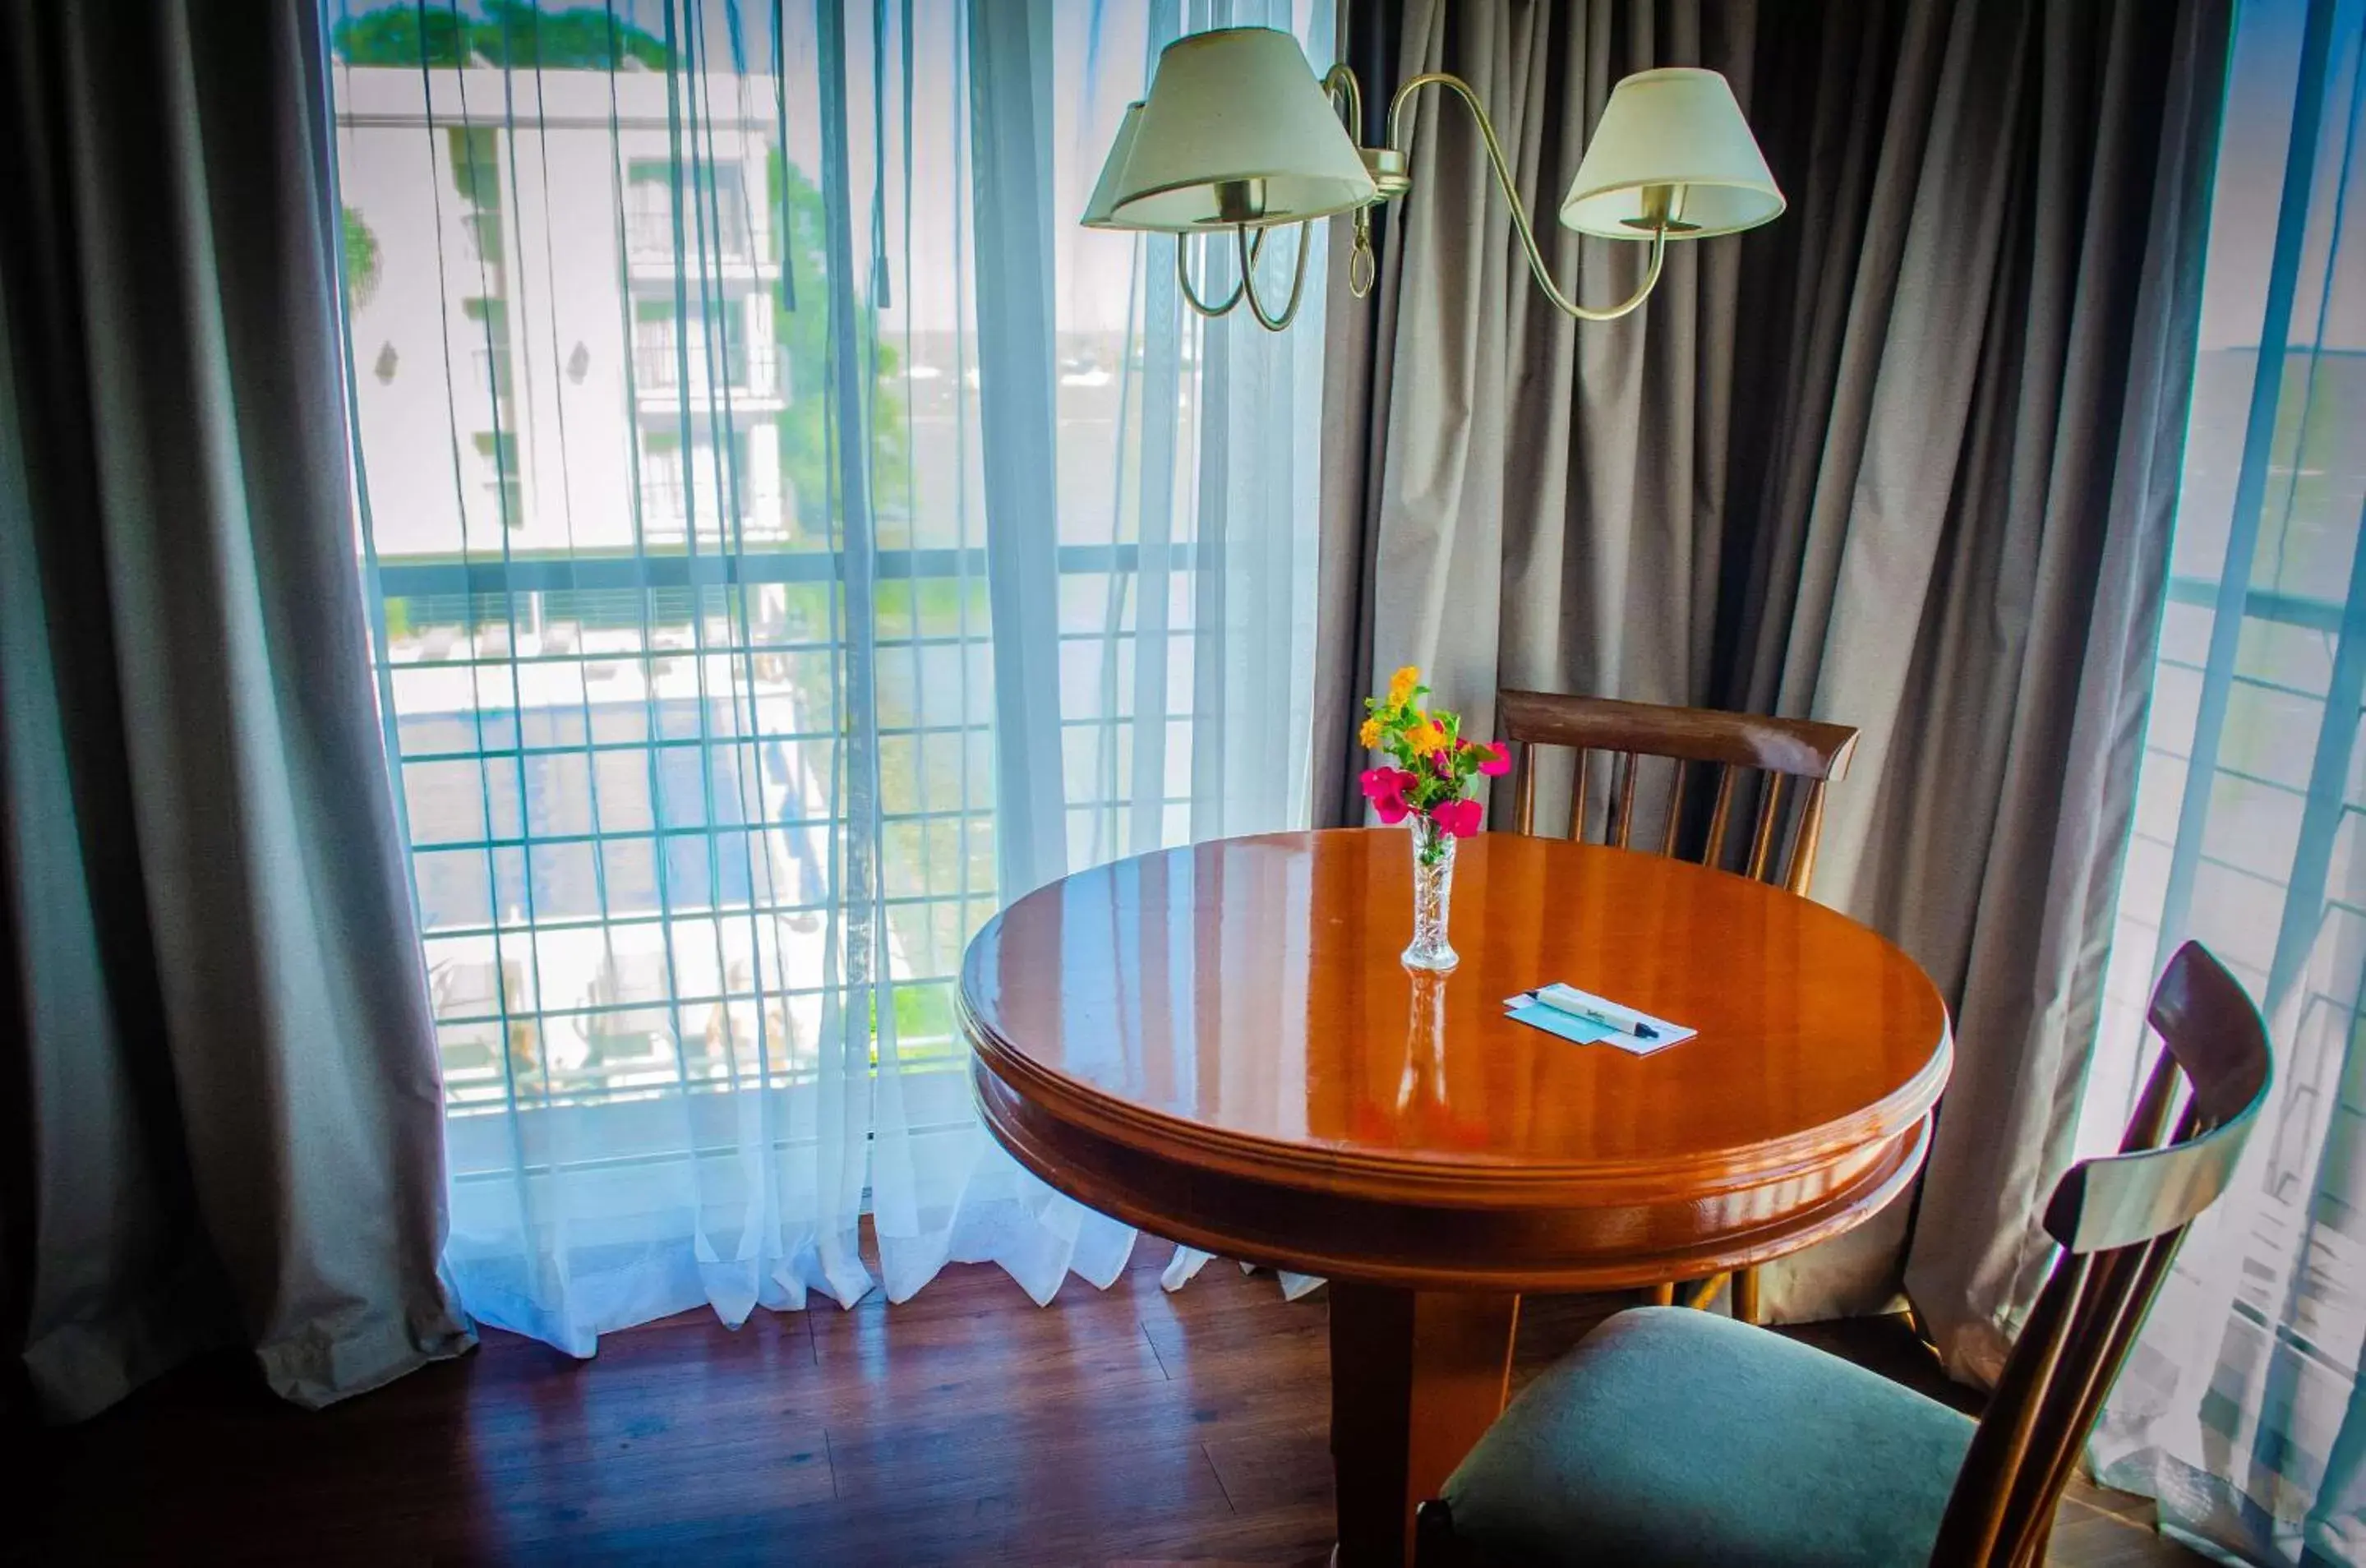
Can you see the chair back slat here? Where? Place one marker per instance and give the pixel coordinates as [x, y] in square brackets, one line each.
[1762, 837]
[1779, 749]
[2149, 1122]
[1974, 1529]
[1622, 824]
[2118, 1219]
[2038, 1486]
[1722, 817]
[1675, 814]
[1803, 843]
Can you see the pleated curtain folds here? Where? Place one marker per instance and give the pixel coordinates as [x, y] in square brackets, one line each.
[212, 994]
[1906, 458]
[2239, 1407]
[789, 537]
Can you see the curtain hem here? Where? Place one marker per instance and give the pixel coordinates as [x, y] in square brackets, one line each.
[316, 1367]
[85, 1365]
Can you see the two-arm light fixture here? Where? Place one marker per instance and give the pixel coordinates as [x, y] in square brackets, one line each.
[1237, 134]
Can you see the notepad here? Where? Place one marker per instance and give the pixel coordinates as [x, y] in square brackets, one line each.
[1525, 1008]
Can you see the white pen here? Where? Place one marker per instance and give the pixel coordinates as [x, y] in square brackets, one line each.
[1577, 1004]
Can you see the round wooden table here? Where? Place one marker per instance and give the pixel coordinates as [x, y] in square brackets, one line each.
[1219, 1044]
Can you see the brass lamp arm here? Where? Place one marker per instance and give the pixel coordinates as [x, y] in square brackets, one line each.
[1251, 247]
[1340, 83]
[1504, 177]
[1347, 97]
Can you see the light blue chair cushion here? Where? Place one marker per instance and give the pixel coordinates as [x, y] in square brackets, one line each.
[1675, 1436]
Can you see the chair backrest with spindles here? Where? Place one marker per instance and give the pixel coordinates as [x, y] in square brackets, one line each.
[2118, 1219]
[1784, 749]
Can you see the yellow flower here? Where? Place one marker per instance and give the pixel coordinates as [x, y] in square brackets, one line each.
[1425, 736]
[1402, 684]
[1370, 734]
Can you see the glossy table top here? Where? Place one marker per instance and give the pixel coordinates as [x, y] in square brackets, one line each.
[1242, 1000]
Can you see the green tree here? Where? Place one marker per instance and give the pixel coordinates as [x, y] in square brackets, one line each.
[578, 37]
[803, 335]
[401, 35]
[509, 32]
[361, 256]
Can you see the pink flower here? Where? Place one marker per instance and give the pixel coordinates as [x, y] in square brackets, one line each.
[1385, 788]
[1460, 818]
[1499, 758]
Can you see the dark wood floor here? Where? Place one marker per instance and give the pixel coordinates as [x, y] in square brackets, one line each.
[964, 1426]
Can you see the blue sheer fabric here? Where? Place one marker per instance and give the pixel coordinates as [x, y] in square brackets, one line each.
[2239, 1408]
[788, 537]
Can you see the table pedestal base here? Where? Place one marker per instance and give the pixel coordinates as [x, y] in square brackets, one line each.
[1415, 1377]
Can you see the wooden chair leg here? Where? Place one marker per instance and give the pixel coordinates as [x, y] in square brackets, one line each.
[2040, 1542]
[1703, 1292]
[1745, 1296]
[1662, 1295]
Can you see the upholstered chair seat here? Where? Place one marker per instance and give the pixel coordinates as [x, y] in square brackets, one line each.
[1673, 1436]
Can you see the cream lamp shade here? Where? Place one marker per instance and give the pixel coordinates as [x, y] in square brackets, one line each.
[1236, 130]
[1105, 189]
[1671, 141]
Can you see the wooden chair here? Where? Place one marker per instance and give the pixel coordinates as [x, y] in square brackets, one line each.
[1782, 750]
[1678, 1437]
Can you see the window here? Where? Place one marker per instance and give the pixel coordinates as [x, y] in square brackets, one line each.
[623, 780]
[695, 689]
[696, 658]
[484, 232]
[2238, 1406]
[491, 355]
[705, 213]
[2251, 830]
[715, 484]
[498, 451]
[719, 350]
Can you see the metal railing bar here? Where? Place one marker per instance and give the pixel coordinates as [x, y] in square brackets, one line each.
[590, 571]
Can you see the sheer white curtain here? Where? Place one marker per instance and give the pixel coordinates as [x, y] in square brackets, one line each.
[2240, 1408]
[789, 537]
[1162, 696]
[1212, 477]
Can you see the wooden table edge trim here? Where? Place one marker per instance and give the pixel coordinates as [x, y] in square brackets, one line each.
[1466, 1182]
[1836, 1215]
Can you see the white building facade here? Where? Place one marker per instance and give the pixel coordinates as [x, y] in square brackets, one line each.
[589, 335]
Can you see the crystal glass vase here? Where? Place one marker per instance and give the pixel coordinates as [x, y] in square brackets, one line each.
[1433, 894]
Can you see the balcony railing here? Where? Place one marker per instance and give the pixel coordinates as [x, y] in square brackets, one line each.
[747, 371]
[666, 518]
[651, 234]
[617, 775]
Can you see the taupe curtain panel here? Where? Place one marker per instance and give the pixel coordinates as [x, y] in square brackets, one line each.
[1905, 459]
[219, 1117]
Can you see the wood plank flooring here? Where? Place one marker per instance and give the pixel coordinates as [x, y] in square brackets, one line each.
[964, 1426]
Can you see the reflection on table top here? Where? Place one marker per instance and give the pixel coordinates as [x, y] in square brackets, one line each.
[1249, 990]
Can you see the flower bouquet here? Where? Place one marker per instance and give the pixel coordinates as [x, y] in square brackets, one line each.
[1427, 787]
